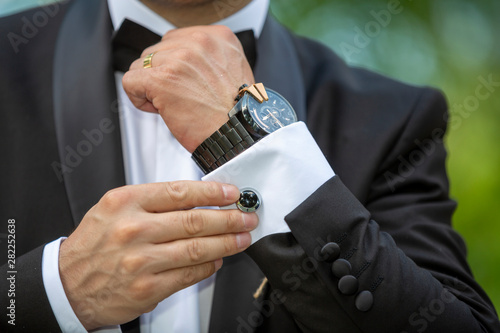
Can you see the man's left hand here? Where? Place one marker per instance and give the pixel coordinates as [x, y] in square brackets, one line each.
[194, 78]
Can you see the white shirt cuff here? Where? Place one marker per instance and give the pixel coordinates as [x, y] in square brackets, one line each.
[284, 168]
[66, 318]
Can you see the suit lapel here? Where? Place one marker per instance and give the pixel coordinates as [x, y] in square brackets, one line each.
[85, 106]
[278, 68]
[278, 65]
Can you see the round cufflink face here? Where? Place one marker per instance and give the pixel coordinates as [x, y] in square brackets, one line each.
[249, 201]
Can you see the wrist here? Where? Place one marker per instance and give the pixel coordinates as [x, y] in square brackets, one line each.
[258, 112]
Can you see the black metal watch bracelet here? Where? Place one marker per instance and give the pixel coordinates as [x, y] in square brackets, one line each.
[223, 145]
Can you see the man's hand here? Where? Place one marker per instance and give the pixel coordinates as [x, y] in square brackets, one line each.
[195, 75]
[140, 244]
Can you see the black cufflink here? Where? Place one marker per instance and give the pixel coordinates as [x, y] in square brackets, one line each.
[249, 201]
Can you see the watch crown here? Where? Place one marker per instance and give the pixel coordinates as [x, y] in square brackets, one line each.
[257, 90]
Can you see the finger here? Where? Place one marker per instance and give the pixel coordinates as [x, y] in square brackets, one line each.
[139, 62]
[169, 282]
[136, 84]
[160, 56]
[166, 227]
[159, 50]
[194, 251]
[178, 195]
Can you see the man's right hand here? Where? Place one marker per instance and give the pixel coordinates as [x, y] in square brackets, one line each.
[140, 244]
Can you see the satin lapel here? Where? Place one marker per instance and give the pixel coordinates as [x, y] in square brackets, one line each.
[85, 106]
[278, 65]
[278, 68]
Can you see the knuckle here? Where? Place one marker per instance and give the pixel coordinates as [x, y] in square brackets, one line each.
[211, 190]
[128, 79]
[193, 222]
[234, 220]
[208, 269]
[177, 191]
[188, 276]
[229, 242]
[184, 54]
[195, 250]
[171, 33]
[117, 198]
[201, 37]
[225, 32]
[133, 263]
[126, 231]
[142, 290]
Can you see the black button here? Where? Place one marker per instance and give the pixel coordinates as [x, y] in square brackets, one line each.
[249, 201]
[348, 285]
[331, 251]
[341, 267]
[364, 301]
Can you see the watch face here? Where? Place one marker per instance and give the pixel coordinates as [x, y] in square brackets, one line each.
[270, 115]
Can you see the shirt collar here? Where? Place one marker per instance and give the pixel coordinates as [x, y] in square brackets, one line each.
[251, 17]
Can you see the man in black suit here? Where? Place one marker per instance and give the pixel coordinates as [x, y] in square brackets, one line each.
[373, 252]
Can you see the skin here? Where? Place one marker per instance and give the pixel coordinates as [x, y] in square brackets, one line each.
[185, 13]
[140, 244]
[195, 77]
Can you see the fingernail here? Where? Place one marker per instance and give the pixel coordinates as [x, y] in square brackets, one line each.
[250, 220]
[218, 264]
[243, 240]
[230, 192]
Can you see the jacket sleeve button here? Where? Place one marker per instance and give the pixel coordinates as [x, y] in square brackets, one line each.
[348, 285]
[364, 301]
[341, 267]
[331, 251]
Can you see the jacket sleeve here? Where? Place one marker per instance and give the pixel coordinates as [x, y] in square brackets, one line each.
[396, 265]
[30, 309]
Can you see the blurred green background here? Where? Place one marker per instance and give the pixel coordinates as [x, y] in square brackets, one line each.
[449, 44]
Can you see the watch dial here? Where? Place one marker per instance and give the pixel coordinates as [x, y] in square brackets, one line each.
[272, 114]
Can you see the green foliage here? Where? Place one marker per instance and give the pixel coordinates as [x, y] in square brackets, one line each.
[448, 44]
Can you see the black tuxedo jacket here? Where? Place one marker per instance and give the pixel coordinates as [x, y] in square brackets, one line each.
[388, 207]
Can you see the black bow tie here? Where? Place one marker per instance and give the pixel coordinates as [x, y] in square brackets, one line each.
[131, 39]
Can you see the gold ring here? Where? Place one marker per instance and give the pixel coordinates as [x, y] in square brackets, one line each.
[148, 61]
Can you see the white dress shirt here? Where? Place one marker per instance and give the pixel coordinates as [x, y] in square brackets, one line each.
[294, 168]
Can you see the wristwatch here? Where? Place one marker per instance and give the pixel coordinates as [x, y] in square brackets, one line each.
[258, 112]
